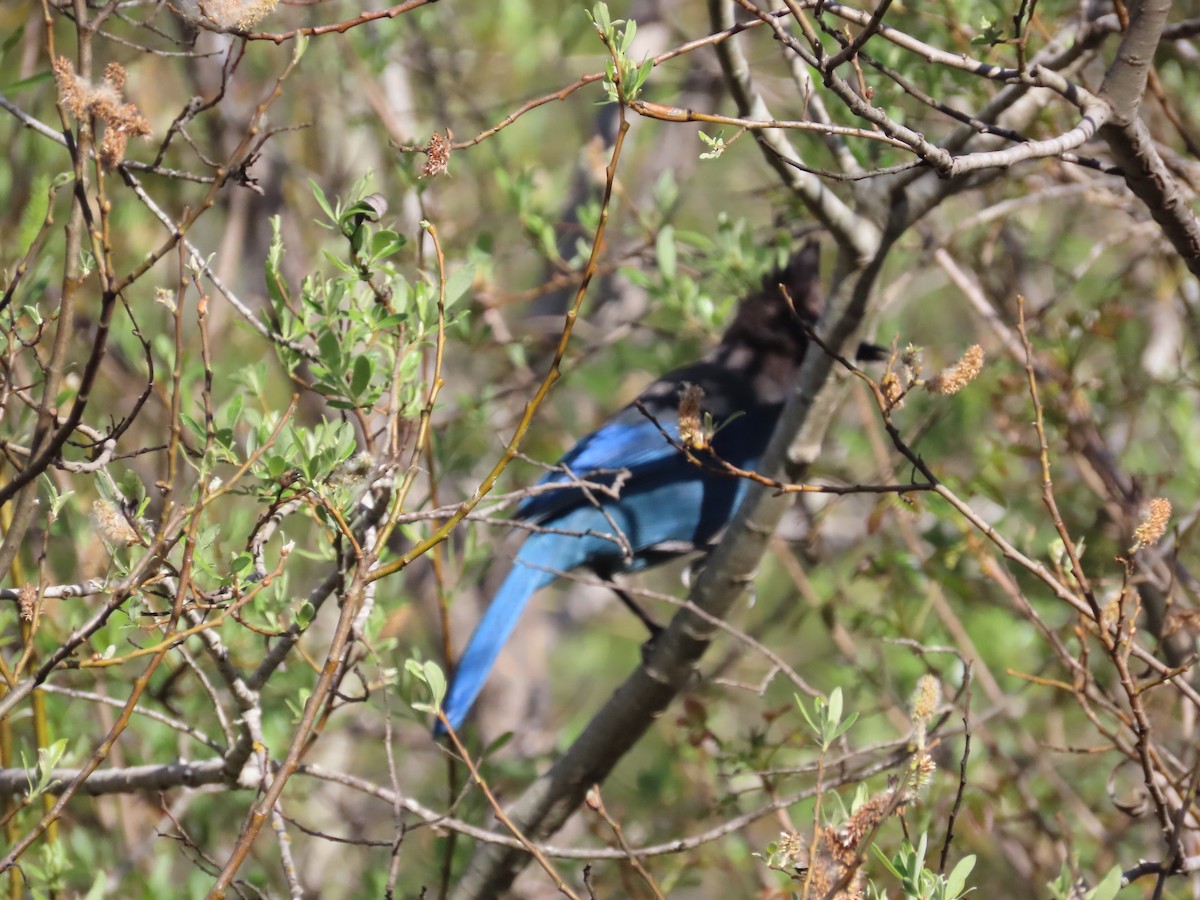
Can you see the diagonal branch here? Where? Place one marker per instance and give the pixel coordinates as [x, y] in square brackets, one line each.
[1128, 137]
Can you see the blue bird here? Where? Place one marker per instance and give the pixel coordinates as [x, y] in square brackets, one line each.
[666, 505]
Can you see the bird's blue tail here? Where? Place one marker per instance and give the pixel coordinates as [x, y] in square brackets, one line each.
[500, 619]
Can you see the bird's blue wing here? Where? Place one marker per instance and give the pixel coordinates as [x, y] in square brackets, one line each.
[629, 441]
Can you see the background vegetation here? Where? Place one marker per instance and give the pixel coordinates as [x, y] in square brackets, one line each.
[297, 300]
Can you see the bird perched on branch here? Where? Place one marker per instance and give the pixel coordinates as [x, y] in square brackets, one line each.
[631, 497]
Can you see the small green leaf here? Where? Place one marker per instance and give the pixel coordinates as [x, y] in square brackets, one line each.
[274, 278]
[1109, 887]
[642, 76]
[386, 242]
[387, 323]
[436, 680]
[956, 883]
[834, 710]
[804, 712]
[887, 862]
[627, 37]
[33, 214]
[429, 674]
[297, 705]
[233, 412]
[601, 18]
[99, 889]
[12, 40]
[40, 778]
[842, 728]
[319, 196]
[330, 351]
[716, 145]
[340, 264]
[498, 744]
[667, 259]
[58, 503]
[29, 82]
[458, 283]
[364, 369]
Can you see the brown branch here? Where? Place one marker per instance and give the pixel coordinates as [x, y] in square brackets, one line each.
[333, 28]
[1132, 145]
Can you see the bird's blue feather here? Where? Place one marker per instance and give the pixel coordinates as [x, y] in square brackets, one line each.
[617, 446]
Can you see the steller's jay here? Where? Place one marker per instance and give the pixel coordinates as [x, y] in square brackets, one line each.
[667, 505]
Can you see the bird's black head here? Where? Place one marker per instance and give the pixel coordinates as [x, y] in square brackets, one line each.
[767, 323]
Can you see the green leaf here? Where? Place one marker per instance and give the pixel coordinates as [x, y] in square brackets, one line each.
[330, 351]
[386, 243]
[991, 33]
[599, 15]
[665, 247]
[834, 709]
[716, 145]
[887, 862]
[34, 212]
[276, 466]
[627, 36]
[11, 40]
[498, 744]
[297, 705]
[340, 264]
[436, 681]
[841, 729]
[826, 721]
[1060, 887]
[39, 778]
[364, 369]
[319, 196]
[1109, 887]
[195, 427]
[274, 278]
[29, 82]
[641, 77]
[429, 674]
[922, 849]
[804, 712]
[233, 412]
[99, 888]
[387, 323]
[458, 283]
[956, 883]
[666, 192]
